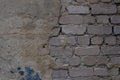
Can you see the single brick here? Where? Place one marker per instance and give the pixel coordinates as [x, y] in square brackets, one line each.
[62, 62]
[97, 40]
[92, 50]
[60, 52]
[102, 60]
[62, 40]
[110, 40]
[103, 9]
[117, 77]
[61, 79]
[116, 1]
[73, 29]
[114, 71]
[101, 72]
[63, 2]
[88, 19]
[55, 41]
[118, 9]
[74, 61]
[59, 74]
[99, 29]
[116, 29]
[84, 40]
[108, 50]
[71, 40]
[102, 19]
[93, 1]
[106, 0]
[71, 19]
[86, 78]
[115, 19]
[78, 9]
[118, 39]
[89, 60]
[115, 60]
[80, 1]
[81, 71]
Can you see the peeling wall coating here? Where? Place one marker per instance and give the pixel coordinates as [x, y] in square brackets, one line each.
[59, 39]
[25, 27]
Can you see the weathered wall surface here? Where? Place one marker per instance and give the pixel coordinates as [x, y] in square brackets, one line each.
[60, 39]
[25, 27]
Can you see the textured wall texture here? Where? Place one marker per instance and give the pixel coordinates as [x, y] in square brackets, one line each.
[59, 39]
[88, 44]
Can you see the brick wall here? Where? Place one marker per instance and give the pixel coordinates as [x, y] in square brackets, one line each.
[86, 44]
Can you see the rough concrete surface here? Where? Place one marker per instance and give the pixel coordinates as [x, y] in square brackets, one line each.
[25, 27]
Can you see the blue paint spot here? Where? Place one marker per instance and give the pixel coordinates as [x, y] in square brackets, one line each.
[28, 77]
[36, 77]
[29, 70]
[21, 73]
[30, 74]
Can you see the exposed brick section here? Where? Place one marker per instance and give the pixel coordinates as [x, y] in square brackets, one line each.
[103, 9]
[115, 19]
[108, 50]
[110, 40]
[99, 29]
[92, 50]
[84, 40]
[81, 71]
[97, 40]
[87, 44]
[71, 19]
[89, 60]
[78, 9]
[116, 29]
[73, 29]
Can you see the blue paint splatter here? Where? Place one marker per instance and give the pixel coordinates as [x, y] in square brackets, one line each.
[21, 73]
[36, 77]
[29, 70]
[30, 74]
